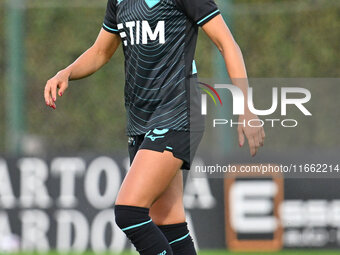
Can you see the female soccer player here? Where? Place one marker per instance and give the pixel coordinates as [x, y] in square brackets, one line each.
[159, 40]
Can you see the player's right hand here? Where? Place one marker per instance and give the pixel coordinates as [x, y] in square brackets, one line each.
[59, 81]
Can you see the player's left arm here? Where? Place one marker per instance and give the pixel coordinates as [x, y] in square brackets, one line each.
[219, 33]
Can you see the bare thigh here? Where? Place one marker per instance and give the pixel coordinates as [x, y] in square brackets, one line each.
[168, 208]
[150, 175]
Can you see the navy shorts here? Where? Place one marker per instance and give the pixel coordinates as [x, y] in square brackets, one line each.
[182, 144]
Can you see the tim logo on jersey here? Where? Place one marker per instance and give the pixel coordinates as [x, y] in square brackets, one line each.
[140, 32]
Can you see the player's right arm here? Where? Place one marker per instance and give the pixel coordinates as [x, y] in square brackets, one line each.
[88, 63]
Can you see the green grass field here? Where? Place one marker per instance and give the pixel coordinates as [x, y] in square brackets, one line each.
[286, 252]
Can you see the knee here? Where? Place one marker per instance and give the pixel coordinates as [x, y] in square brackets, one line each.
[120, 217]
[125, 216]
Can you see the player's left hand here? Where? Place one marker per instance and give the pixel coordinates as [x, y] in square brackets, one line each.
[254, 135]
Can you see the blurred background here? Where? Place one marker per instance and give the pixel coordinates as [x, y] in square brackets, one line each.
[38, 38]
[278, 38]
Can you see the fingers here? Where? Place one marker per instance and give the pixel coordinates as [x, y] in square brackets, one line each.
[256, 144]
[50, 93]
[255, 140]
[261, 137]
[63, 86]
[59, 81]
[54, 91]
[240, 137]
[263, 134]
[252, 146]
[261, 141]
[254, 135]
[47, 95]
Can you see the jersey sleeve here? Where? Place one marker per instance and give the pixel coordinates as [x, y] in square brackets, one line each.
[110, 23]
[200, 11]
